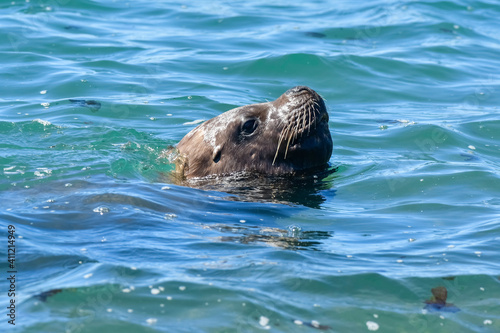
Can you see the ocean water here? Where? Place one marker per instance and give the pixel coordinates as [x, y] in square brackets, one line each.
[92, 92]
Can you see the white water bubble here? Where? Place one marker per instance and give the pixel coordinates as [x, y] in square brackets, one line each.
[101, 210]
[372, 326]
[41, 121]
[151, 321]
[263, 321]
[43, 172]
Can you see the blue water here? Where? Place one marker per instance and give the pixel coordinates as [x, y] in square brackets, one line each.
[92, 93]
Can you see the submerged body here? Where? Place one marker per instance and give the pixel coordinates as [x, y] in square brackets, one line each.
[286, 136]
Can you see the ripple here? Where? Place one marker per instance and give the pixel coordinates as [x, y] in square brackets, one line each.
[108, 242]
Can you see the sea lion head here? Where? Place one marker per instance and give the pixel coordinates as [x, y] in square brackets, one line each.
[286, 136]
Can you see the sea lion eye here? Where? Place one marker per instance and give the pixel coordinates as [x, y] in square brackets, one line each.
[249, 127]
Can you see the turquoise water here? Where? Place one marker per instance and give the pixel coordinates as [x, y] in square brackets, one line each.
[105, 243]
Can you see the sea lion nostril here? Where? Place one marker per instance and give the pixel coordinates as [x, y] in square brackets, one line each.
[298, 89]
[301, 88]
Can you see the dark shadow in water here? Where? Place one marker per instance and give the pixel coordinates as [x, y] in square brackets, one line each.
[43, 296]
[303, 189]
[92, 105]
[314, 34]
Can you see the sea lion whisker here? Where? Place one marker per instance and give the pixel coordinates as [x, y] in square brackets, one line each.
[309, 128]
[290, 134]
[303, 120]
[300, 123]
[314, 117]
[279, 145]
[288, 144]
[296, 129]
[281, 137]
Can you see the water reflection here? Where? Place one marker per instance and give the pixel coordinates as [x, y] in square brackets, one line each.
[306, 189]
[291, 239]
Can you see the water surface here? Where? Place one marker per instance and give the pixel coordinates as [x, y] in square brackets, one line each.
[92, 93]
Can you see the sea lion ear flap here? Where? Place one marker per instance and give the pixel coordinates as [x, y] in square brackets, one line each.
[216, 154]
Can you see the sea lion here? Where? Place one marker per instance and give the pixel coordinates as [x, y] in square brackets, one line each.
[287, 136]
